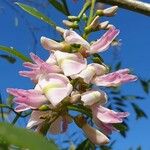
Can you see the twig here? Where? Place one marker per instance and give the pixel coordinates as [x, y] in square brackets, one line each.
[133, 5]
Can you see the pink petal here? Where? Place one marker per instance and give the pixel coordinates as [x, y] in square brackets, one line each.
[52, 60]
[103, 43]
[72, 37]
[91, 97]
[105, 128]
[27, 98]
[35, 119]
[114, 78]
[87, 74]
[50, 44]
[106, 115]
[95, 136]
[22, 107]
[70, 63]
[100, 69]
[39, 68]
[36, 59]
[56, 126]
[56, 87]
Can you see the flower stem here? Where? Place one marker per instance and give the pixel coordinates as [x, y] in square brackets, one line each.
[91, 12]
[85, 7]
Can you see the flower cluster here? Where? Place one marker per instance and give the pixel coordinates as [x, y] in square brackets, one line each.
[67, 79]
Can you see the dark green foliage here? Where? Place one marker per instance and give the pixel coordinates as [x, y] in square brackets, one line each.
[139, 112]
[9, 58]
[145, 85]
[59, 6]
[86, 145]
[123, 128]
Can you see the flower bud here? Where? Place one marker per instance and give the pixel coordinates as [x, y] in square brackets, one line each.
[111, 11]
[51, 45]
[70, 24]
[95, 22]
[109, 26]
[103, 25]
[44, 108]
[94, 135]
[60, 30]
[75, 97]
[84, 17]
[93, 26]
[91, 97]
[99, 12]
[73, 18]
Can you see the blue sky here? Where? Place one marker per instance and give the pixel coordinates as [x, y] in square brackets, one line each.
[134, 53]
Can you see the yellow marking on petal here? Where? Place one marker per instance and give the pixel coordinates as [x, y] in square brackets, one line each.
[50, 87]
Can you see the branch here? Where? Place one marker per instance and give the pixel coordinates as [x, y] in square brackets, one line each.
[133, 5]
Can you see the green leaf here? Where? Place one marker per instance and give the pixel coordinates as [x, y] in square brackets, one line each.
[97, 59]
[10, 59]
[34, 12]
[131, 97]
[139, 148]
[86, 145]
[122, 127]
[139, 112]
[1, 109]
[24, 138]
[14, 52]
[81, 109]
[145, 85]
[118, 66]
[59, 6]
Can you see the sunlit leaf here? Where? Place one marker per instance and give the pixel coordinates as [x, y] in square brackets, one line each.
[34, 12]
[139, 112]
[24, 138]
[14, 52]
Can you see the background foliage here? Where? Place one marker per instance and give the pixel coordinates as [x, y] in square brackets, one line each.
[120, 98]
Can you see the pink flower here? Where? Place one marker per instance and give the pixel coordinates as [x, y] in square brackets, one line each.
[106, 128]
[90, 71]
[27, 99]
[99, 46]
[114, 78]
[87, 74]
[55, 86]
[60, 125]
[51, 60]
[72, 37]
[39, 68]
[94, 135]
[70, 63]
[91, 97]
[106, 115]
[51, 45]
[103, 43]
